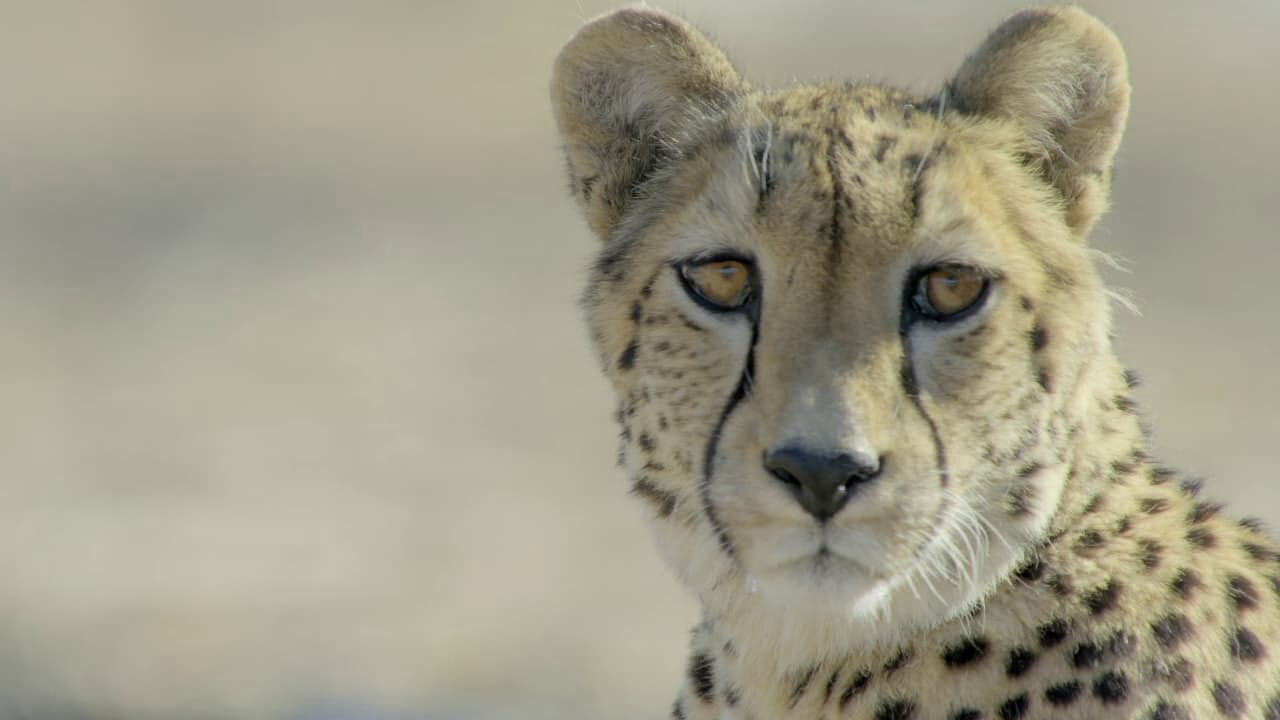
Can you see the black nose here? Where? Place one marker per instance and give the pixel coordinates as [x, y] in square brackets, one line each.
[822, 482]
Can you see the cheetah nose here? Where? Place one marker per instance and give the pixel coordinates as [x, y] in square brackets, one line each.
[821, 482]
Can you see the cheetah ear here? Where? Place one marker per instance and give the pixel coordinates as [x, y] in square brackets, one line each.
[624, 89]
[1061, 75]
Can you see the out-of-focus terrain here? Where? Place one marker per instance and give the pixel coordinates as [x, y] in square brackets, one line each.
[299, 418]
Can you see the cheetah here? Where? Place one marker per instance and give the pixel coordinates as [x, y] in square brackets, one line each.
[867, 394]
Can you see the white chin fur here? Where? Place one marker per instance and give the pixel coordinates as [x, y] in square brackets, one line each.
[813, 608]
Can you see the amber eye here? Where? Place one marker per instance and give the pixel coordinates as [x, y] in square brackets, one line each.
[722, 284]
[945, 292]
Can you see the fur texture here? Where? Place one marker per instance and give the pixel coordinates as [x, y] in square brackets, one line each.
[1016, 554]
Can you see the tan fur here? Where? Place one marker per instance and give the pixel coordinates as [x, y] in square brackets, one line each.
[1014, 494]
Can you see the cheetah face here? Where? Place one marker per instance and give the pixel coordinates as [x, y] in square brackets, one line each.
[835, 316]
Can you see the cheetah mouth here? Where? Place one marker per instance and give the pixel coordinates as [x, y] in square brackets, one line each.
[827, 560]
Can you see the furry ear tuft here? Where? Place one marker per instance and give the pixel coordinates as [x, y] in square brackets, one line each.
[623, 88]
[1061, 75]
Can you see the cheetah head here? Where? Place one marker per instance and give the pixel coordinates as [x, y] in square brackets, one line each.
[852, 332]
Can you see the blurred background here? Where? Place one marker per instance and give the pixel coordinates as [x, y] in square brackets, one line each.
[299, 418]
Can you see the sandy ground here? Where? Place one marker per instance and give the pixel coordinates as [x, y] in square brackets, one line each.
[300, 418]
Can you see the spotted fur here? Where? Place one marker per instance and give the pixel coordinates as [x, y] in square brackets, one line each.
[1015, 553]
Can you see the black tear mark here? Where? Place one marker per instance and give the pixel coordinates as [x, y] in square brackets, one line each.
[912, 389]
[709, 455]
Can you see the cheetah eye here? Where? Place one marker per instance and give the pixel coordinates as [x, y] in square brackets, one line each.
[945, 293]
[718, 283]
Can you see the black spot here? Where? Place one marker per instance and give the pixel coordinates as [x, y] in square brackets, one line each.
[1093, 505]
[1015, 707]
[1124, 403]
[1203, 510]
[1132, 379]
[732, 696]
[856, 686]
[883, 143]
[1201, 537]
[627, 359]
[802, 684]
[1087, 655]
[1242, 592]
[1104, 598]
[702, 676]
[1191, 486]
[1162, 475]
[1121, 643]
[1246, 647]
[1259, 553]
[1123, 525]
[1154, 505]
[1019, 662]
[1165, 710]
[1021, 496]
[1229, 699]
[687, 323]
[898, 661]
[965, 714]
[1185, 582]
[1089, 541]
[1060, 585]
[1252, 524]
[1042, 377]
[831, 685]
[1272, 710]
[1150, 553]
[663, 501]
[1111, 687]
[1039, 338]
[1026, 303]
[1053, 632]
[1179, 674]
[636, 312]
[646, 442]
[1062, 694]
[677, 710]
[1030, 571]
[1171, 630]
[1121, 468]
[965, 652]
[896, 710]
